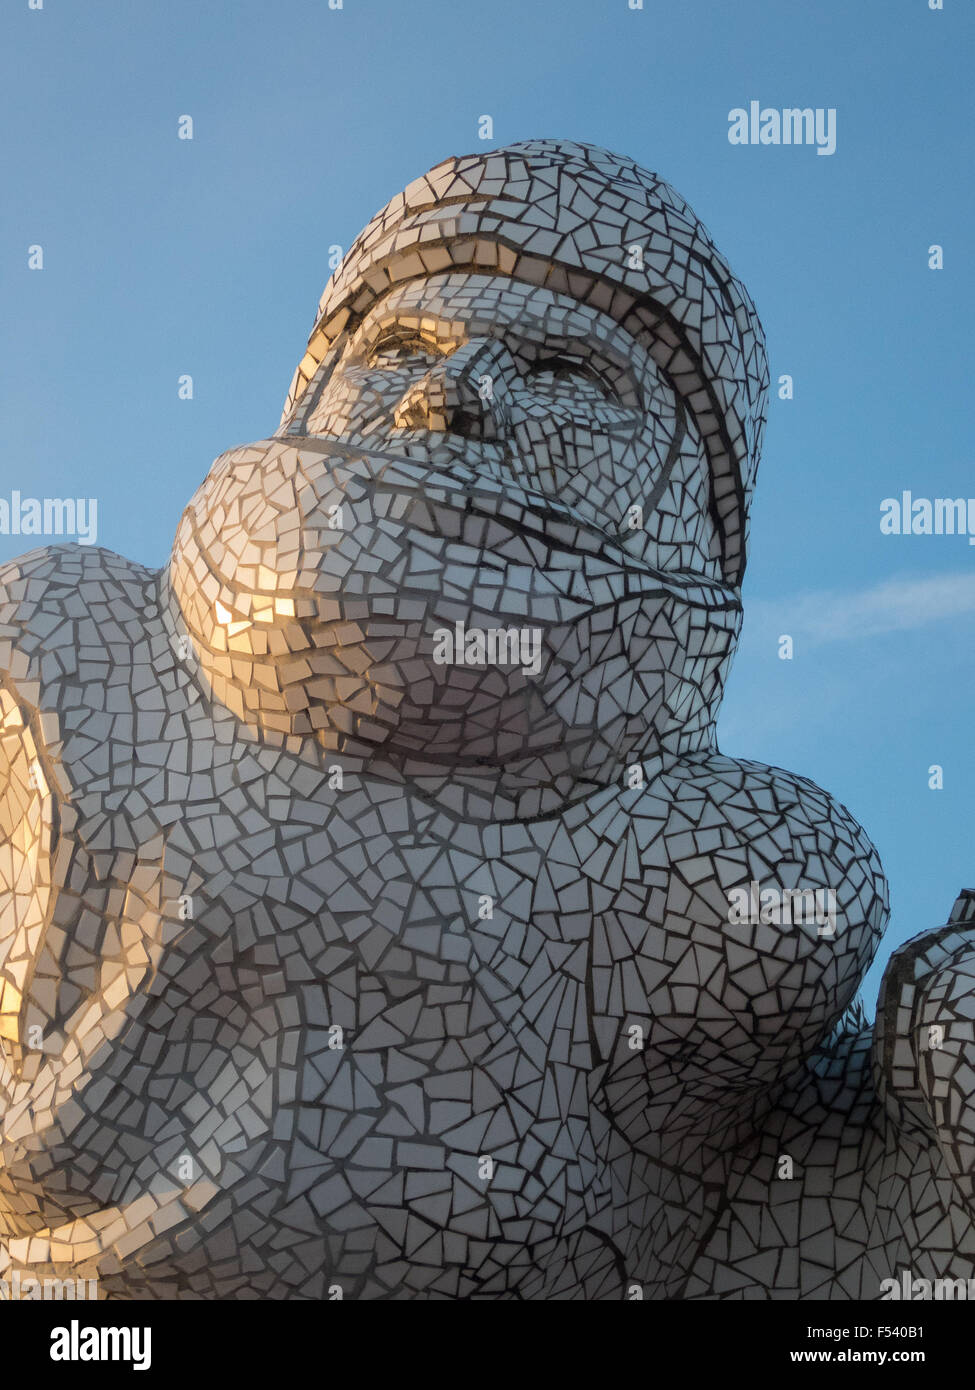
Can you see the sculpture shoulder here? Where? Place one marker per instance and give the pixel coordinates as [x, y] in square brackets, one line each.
[53, 570]
[76, 622]
[749, 853]
[68, 604]
[772, 808]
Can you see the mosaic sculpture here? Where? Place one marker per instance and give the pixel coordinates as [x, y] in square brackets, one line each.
[379, 918]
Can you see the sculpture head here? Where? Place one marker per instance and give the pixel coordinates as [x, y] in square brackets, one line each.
[532, 402]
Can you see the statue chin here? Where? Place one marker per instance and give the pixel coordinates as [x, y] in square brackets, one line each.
[442, 692]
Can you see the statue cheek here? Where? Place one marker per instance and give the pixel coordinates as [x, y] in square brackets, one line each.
[355, 397]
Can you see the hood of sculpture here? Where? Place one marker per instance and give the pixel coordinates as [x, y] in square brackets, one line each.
[504, 515]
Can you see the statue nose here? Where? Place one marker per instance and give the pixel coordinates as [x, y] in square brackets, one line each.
[465, 394]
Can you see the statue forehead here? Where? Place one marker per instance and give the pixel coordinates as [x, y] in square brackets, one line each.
[456, 297]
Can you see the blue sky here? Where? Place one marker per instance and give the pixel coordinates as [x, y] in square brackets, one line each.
[164, 257]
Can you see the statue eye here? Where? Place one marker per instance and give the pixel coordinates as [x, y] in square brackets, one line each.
[392, 352]
[570, 378]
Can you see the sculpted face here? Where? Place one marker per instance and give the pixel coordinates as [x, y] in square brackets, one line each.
[518, 383]
[484, 453]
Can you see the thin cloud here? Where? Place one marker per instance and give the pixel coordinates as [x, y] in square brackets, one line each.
[894, 606]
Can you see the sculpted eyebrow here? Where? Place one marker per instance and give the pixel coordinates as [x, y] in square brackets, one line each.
[551, 342]
[587, 349]
[428, 328]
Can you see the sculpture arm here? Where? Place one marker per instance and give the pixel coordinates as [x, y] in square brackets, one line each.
[925, 1040]
[28, 831]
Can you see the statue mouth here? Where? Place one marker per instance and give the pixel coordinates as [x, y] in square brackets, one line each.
[365, 599]
[504, 558]
[492, 519]
[419, 541]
